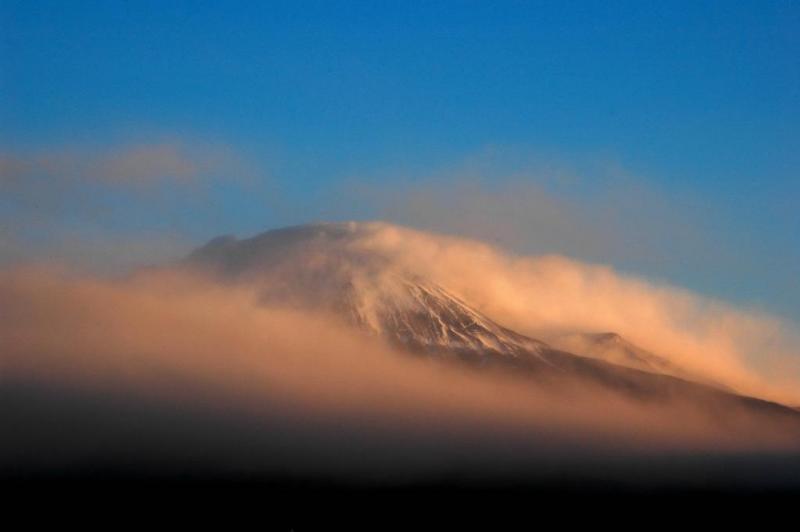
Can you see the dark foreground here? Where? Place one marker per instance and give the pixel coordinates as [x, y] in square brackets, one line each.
[271, 503]
[71, 457]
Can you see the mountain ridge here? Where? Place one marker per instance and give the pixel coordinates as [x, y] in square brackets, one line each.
[325, 266]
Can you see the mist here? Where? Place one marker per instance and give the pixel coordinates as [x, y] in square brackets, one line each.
[181, 368]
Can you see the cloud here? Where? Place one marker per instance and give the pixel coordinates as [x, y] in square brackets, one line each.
[292, 389]
[91, 184]
[594, 208]
[752, 351]
[604, 217]
[128, 165]
[112, 207]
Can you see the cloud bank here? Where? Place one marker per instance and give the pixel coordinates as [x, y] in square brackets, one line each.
[221, 377]
[179, 340]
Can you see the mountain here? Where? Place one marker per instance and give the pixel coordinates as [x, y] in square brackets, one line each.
[337, 268]
[321, 267]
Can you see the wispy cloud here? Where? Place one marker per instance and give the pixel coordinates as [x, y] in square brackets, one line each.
[596, 210]
[132, 165]
[108, 207]
[752, 351]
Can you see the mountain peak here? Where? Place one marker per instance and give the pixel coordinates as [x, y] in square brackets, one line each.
[329, 266]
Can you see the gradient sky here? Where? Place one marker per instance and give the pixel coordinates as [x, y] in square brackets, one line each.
[671, 129]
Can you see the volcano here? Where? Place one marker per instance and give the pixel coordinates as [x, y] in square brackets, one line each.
[343, 269]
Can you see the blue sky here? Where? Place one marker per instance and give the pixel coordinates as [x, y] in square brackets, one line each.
[672, 129]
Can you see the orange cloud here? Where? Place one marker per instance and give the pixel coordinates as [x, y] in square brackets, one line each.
[548, 295]
[179, 338]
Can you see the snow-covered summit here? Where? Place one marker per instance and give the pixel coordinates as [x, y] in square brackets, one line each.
[333, 266]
